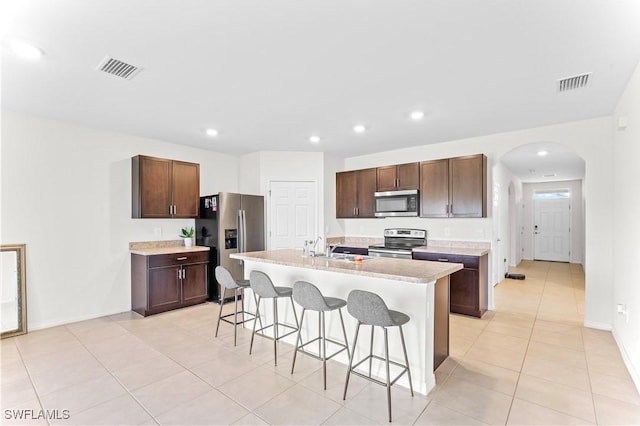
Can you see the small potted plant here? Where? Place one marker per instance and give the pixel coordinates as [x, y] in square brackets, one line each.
[187, 234]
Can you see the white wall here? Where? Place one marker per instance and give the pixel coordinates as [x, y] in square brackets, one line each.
[591, 139]
[577, 215]
[626, 229]
[66, 193]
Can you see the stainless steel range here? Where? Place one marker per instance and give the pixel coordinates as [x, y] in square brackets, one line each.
[398, 243]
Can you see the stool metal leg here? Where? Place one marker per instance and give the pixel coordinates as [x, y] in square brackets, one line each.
[220, 311]
[235, 317]
[386, 359]
[253, 334]
[344, 333]
[406, 360]
[320, 332]
[275, 330]
[298, 341]
[371, 350]
[324, 352]
[294, 312]
[353, 352]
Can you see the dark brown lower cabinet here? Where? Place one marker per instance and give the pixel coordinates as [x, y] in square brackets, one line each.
[163, 282]
[468, 286]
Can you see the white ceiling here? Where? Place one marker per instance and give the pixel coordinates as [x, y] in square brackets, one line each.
[269, 73]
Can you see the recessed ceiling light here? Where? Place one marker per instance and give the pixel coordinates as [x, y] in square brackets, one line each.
[359, 128]
[25, 49]
[211, 132]
[542, 153]
[314, 139]
[417, 115]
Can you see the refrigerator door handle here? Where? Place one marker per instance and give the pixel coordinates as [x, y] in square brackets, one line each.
[239, 232]
[243, 235]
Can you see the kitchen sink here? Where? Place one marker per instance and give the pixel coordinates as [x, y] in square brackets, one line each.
[344, 257]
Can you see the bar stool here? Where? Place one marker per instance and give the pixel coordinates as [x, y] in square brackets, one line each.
[369, 309]
[263, 287]
[310, 298]
[227, 282]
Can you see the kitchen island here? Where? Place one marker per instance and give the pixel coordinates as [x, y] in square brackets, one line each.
[418, 288]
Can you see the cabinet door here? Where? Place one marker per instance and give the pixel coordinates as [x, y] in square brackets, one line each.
[464, 292]
[386, 178]
[434, 188]
[346, 194]
[154, 187]
[408, 176]
[194, 283]
[366, 206]
[186, 189]
[467, 183]
[164, 289]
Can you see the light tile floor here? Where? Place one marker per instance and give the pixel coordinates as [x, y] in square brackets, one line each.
[528, 362]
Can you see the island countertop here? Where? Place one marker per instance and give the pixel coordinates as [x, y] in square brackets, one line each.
[415, 271]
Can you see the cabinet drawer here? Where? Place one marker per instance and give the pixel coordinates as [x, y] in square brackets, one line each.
[160, 260]
[469, 262]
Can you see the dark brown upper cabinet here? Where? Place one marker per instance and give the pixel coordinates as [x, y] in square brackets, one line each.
[355, 194]
[162, 188]
[398, 177]
[454, 187]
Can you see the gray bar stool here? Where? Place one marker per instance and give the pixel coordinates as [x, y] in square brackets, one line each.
[227, 282]
[263, 287]
[310, 298]
[369, 309]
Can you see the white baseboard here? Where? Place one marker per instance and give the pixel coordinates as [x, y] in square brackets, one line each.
[627, 361]
[598, 325]
[48, 324]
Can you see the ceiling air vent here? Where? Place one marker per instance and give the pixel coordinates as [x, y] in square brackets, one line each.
[118, 68]
[575, 82]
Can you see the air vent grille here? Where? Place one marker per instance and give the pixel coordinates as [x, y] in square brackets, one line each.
[118, 68]
[572, 83]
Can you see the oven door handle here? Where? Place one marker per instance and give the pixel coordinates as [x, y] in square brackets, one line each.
[394, 253]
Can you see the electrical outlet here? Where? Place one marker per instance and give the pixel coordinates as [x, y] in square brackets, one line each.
[447, 232]
[157, 232]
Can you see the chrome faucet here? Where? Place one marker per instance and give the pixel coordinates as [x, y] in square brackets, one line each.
[313, 244]
[331, 249]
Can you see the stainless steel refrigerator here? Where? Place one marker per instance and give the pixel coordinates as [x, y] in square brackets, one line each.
[232, 223]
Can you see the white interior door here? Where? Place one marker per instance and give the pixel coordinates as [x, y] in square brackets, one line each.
[293, 214]
[552, 229]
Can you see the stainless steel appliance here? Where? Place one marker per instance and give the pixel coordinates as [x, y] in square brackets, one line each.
[233, 223]
[397, 203]
[399, 242]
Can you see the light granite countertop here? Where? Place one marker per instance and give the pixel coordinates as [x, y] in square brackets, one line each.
[414, 271]
[150, 251]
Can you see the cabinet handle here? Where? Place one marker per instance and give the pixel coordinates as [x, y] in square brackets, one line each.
[183, 274]
[179, 274]
[357, 211]
[182, 258]
[443, 260]
[447, 208]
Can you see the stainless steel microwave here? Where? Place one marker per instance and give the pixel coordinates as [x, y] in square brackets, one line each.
[397, 203]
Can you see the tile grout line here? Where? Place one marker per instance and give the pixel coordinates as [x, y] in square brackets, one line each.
[115, 378]
[31, 380]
